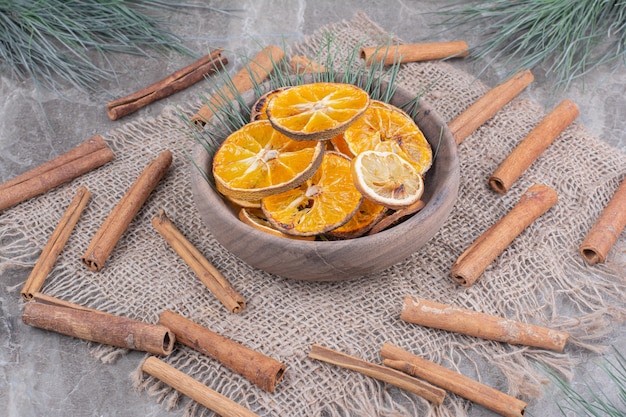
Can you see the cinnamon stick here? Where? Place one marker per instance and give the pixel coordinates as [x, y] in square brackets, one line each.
[488, 105]
[607, 228]
[533, 145]
[173, 83]
[55, 244]
[414, 52]
[194, 389]
[472, 263]
[391, 376]
[452, 381]
[107, 236]
[53, 301]
[303, 65]
[87, 156]
[256, 71]
[208, 274]
[396, 216]
[98, 326]
[261, 370]
[485, 326]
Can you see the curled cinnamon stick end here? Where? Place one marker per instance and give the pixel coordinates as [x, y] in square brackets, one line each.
[303, 65]
[476, 324]
[55, 244]
[488, 105]
[208, 274]
[89, 155]
[476, 258]
[607, 228]
[194, 389]
[117, 222]
[396, 216]
[452, 381]
[391, 376]
[261, 370]
[253, 73]
[100, 327]
[173, 83]
[414, 52]
[533, 145]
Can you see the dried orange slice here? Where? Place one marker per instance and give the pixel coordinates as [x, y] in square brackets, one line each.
[256, 161]
[387, 179]
[259, 108]
[316, 111]
[324, 202]
[256, 219]
[384, 127]
[368, 215]
[250, 204]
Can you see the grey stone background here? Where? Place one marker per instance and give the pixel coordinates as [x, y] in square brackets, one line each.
[44, 374]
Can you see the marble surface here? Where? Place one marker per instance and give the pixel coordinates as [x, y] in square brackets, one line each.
[45, 374]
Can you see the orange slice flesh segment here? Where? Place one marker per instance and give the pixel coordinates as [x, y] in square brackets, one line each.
[386, 128]
[256, 219]
[324, 202]
[366, 217]
[256, 161]
[316, 111]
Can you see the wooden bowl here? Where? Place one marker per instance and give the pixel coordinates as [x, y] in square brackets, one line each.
[343, 259]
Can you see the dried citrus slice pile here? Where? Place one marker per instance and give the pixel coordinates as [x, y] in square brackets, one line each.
[316, 111]
[289, 180]
[256, 161]
[324, 202]
[384, 127]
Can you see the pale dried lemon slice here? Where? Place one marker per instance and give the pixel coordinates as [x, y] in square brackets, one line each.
[316, 111]
[322, 203]
[387, 179]
[384, 127]
[256, 161]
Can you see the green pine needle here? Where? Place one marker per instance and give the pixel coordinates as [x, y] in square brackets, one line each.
[57, 43]
[570, 38]
[593, 401]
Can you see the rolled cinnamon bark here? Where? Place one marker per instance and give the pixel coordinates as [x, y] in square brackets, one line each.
[261, 370]
[472, 263]
[607, 228]
[488, 105]
[452, 381]
[173, 83]
[253, 73]
[55, 244]
[396, 216]
[194, 389]
[87, 156]
[117, 222]
[99, 327]
[208, 274]
[485, 326]
[533, 145]
[414, 52]
[391, 376]
[303, 65]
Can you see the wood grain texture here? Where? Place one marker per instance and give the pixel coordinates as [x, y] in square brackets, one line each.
[345, 259]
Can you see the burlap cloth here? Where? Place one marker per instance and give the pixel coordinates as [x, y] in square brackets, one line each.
[540, 278]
